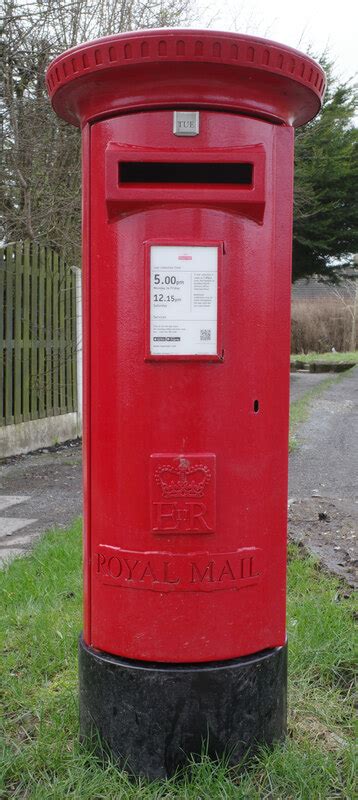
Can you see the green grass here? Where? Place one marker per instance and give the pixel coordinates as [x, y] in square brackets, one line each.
[42, 759]
[352, 357]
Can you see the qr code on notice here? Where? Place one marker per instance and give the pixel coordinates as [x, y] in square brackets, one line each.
[205, 335]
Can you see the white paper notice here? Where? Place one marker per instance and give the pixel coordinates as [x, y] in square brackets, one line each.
[183, 300]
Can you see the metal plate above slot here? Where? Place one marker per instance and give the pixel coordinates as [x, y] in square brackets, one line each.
[186, 123]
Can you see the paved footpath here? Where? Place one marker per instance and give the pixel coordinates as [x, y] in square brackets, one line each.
[302, 382]
[43, 490]
[38, 491]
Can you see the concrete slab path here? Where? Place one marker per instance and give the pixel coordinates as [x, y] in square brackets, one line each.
[38, 491]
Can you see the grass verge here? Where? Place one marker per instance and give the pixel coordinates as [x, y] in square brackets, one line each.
[42, 757]
[334, 358]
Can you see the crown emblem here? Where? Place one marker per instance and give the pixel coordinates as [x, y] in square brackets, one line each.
[183, 480]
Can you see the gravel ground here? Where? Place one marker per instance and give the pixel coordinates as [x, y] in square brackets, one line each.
[323, 491]
[302, 382]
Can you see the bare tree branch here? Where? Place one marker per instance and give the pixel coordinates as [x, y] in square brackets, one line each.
[40, 181]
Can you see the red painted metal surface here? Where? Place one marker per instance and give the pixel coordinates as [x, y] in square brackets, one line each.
[185, 457]
[125, 198]
[198, 595]
[152, 69]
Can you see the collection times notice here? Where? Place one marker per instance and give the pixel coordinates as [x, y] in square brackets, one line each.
[183, 300]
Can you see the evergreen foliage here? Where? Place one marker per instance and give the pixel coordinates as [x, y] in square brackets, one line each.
[326, 178]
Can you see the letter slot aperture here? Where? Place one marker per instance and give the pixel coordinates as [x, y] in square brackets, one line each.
[163, 172]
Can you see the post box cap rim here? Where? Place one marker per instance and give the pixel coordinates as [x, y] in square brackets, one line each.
[289, 69]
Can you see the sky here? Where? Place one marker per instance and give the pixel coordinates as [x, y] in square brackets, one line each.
[318, 24]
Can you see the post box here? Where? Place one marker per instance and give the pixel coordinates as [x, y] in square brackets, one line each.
[187, 233]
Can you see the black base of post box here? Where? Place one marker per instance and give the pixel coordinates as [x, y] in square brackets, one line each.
[152, 716]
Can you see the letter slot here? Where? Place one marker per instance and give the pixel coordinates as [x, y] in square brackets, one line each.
[232, 178]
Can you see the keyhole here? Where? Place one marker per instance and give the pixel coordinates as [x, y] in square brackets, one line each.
[256, 406]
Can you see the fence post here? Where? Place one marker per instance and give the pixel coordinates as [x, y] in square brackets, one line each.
[26, 340]
[9, 335]
[18, 335]
[78, 275]
[2, 333]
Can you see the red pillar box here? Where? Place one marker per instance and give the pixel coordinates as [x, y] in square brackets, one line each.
[187, 231]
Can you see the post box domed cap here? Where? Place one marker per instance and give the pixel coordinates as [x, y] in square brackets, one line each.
[185, 69]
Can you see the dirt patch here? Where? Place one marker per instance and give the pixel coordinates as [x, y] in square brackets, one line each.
[317, 731]
[328, 529]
